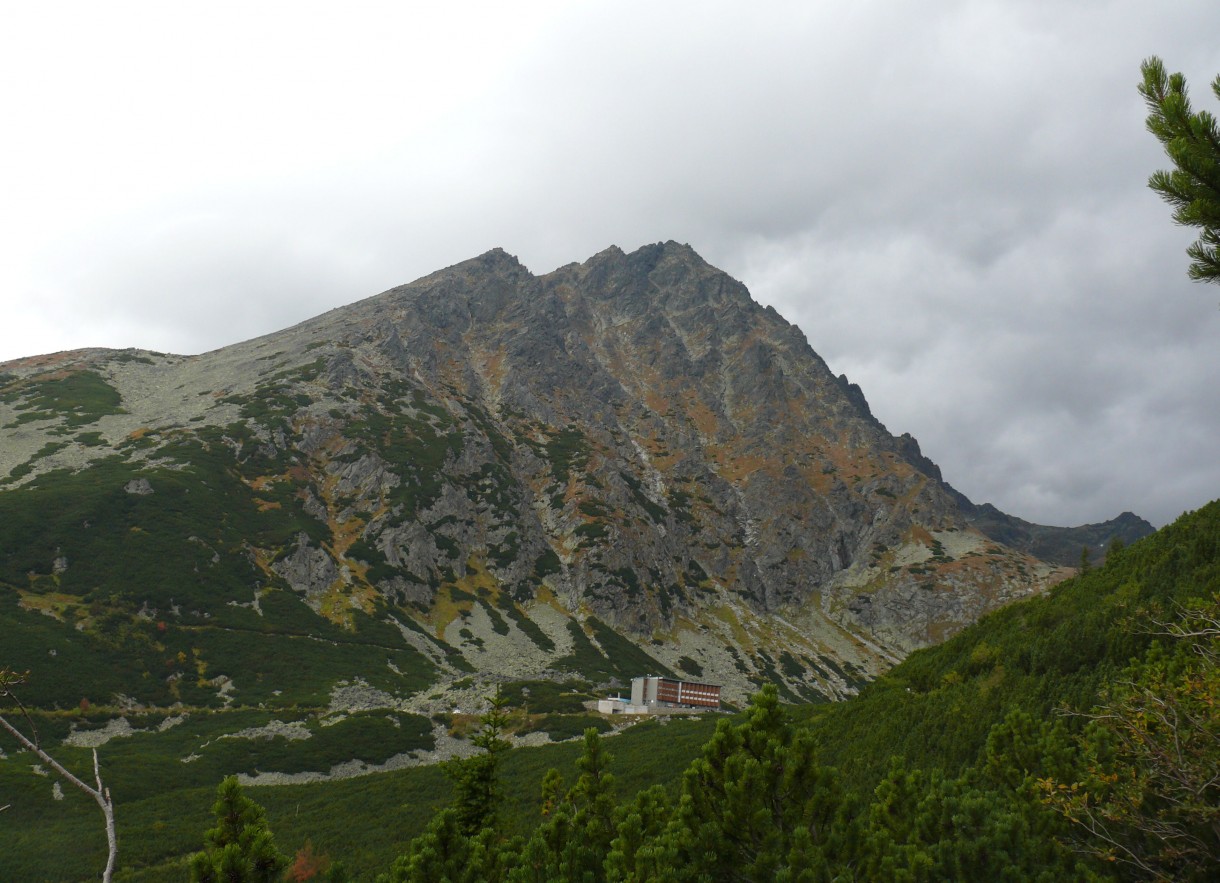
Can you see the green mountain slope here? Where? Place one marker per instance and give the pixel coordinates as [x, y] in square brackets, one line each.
[1050, 653]
[969, 774]
[934, 711]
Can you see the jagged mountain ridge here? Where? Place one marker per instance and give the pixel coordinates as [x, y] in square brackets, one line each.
[494, 461]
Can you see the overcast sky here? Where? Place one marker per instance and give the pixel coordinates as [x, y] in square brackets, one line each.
[948, 198]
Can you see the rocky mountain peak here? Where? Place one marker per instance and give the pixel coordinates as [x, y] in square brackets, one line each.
[627, 452]
[669, 276]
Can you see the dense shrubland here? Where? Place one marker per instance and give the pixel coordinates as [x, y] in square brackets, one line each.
[1072, 737]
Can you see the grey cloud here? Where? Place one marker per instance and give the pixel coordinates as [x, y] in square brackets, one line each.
[948, 200]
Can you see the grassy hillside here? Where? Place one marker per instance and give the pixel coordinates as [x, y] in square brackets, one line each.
[1049, 653]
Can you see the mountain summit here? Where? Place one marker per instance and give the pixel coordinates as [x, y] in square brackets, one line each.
[623, 464]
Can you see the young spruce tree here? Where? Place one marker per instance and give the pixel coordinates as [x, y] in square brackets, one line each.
[571, 844]
[464, 843]
[240, 849]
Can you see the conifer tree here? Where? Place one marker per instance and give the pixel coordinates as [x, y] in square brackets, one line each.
[756, 806]
[476, 781]
[1022, 749]
[574, 839]
[464, 843]
[893, 849]
[640, 824]
[593, 808]
[240, 849]
[1192, 141]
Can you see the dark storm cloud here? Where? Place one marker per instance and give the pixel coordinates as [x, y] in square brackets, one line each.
[948, 199]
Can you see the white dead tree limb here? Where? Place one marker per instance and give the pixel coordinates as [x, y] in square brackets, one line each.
[100, 794]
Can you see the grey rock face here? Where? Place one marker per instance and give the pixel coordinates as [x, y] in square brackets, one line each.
[308, 570]
[637, 418]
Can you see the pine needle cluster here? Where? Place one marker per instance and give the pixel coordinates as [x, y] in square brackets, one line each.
[1192, 141]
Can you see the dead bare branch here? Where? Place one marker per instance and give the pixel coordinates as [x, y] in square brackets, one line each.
[100, 794]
